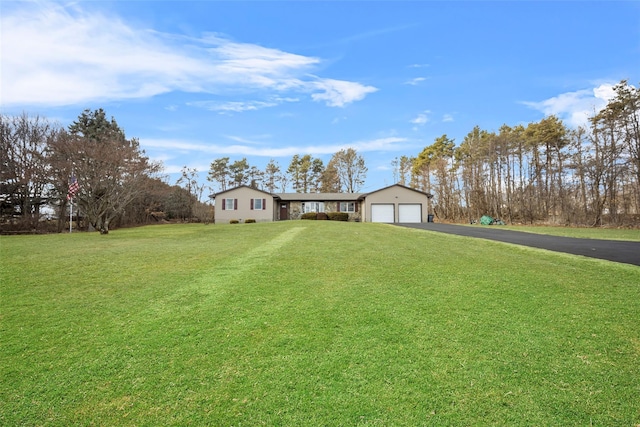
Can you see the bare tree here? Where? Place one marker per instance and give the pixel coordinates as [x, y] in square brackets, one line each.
[110, 168]
[24, 171]
[189, 179]
[351, 169]
[190, 182]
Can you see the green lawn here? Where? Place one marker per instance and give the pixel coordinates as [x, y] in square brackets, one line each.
[308, 323]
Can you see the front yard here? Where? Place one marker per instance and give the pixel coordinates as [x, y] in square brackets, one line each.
[307, 323]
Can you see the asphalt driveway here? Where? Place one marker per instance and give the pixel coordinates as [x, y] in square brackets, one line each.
[611, 250]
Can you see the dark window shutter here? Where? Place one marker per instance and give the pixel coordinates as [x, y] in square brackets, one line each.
[251, 204]
[224, 202]
[338, 210]
[235, 204]
[264, 204]
[356, 206]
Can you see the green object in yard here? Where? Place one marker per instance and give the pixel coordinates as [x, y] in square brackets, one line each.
[486, 220]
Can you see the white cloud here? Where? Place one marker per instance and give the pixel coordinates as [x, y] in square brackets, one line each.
[421, 119]
[246, 148]
[447, 118]
[232, 106]
[251, 141]
[240, 106]
[415, 81]
[575, 108]
[57, 55]
[338, 93]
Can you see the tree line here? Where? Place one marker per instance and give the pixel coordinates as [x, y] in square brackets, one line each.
[117, 181]
[344, 173]
[541, 172]
[120, 185]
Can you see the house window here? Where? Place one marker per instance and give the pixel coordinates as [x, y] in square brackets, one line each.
[229, 204]
[313, 207]
[258, 204]
[347, 206]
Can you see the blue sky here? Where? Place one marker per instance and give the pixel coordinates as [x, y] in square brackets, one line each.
[196, 81]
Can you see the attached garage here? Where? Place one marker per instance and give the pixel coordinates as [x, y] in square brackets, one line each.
[383, 212]
[394, 204]
[409, 213]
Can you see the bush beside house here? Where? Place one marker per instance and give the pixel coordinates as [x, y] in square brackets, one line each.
[332, 216]
[338, 216]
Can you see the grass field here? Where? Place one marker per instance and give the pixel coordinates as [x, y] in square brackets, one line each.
[307, 323]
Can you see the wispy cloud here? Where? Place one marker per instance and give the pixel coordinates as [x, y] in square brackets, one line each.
[65, 55]
[166, 149]
[248, 148]
[338, 93]
[575, 108]
[447, 118]
[421, 119]
[239, 106]
[365, 35]
[415, 81]
[254, 140]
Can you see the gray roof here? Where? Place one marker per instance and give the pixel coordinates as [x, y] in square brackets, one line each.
[213, 196]
[429, 195]
[318, 197]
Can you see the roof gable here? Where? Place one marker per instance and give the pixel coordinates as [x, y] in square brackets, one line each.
[428, 195]
[320, 196]
[242, 187]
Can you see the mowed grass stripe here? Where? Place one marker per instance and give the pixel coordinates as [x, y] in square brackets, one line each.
[218, 274]
[315, 323]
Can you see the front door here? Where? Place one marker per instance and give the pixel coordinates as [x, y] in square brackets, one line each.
[284, 210]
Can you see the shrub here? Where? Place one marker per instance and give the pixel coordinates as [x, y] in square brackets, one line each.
[338, 216]
[322, 216]
[249, 221]
[308, 215]
[234, 221]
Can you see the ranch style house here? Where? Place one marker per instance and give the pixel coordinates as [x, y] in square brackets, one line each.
[393, 204]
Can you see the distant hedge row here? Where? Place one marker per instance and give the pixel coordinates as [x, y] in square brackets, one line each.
[332, 216]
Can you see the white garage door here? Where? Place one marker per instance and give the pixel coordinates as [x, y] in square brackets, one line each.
[382, 213]
[410, 213]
